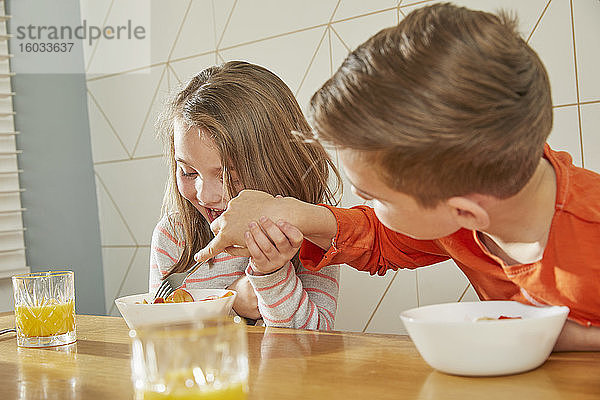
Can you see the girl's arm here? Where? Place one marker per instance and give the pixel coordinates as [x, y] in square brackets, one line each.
[289, 297]
[165, 250]
[246, 301]
[297, 299]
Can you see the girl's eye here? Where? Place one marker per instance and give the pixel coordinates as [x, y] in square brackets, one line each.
[187, 174]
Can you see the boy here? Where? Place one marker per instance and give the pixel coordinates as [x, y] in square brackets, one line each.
[442, 123]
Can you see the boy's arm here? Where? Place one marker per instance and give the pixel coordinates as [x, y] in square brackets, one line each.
[575, 337]
[316, 223]
[351, 236]
[364, 243]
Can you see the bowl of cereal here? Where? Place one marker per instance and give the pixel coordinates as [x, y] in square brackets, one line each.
[183, 305]
[484, 338]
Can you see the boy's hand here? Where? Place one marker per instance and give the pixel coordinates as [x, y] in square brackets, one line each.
[229, 228]
[246, 303]
[317, 223]
[271, 245]
[575, 337]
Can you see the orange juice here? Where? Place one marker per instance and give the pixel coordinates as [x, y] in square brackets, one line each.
[234, 392]
[46, 320]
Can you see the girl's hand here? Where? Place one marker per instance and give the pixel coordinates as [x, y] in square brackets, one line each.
[271, 245]
[246, 303]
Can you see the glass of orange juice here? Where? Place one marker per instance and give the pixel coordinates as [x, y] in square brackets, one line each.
[44, 308]
[203, 360]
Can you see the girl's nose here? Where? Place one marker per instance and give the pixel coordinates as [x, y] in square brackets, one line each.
[209, 195]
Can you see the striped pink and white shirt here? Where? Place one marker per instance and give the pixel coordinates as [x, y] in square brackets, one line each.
[291, 297]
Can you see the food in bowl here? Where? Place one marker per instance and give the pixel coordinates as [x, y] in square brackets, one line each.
[208, 303]
[182, 296]
[450, 338]
[502, 317]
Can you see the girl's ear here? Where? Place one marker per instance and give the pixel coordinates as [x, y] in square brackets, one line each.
[468, 213]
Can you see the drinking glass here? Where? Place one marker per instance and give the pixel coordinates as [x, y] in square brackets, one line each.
[44, 308]
[203, 360]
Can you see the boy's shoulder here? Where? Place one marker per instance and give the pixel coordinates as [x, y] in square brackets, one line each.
[578, 189]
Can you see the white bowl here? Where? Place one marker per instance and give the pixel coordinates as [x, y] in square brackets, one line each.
[137, 315]
[451, 340]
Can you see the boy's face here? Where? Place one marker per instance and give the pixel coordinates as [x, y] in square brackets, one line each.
[396, 210]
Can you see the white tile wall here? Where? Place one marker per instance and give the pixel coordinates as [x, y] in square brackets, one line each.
[553, 41]
[288, 56]
[401, 295]
[432, 292]
[359, 295]
[186, 68]
[125, 100]
[292, 39]
[590, 125]
[125, 272]
[586, 15]
[352, 8]
[255, 20]
[109, 56]
[355, 31]
[137, 189]
[199, 33]
[565, 132]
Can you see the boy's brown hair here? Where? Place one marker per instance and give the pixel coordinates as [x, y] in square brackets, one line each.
[448, 103]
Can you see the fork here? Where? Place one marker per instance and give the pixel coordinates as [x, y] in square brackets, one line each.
[174, 281]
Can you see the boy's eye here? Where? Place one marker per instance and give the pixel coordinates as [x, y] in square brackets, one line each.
[360, 194]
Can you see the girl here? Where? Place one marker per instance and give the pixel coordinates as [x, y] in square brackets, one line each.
[231, 128]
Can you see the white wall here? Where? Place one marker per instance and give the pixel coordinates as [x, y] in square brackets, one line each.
[303, 42]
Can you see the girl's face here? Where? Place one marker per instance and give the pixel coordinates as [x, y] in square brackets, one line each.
[199, 171]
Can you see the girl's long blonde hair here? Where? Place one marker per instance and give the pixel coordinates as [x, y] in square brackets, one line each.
[252, 116]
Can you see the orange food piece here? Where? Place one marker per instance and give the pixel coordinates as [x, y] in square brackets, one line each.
[505, 317]
[214, 297]
[209, 298]
[180, 296]
[183, 296]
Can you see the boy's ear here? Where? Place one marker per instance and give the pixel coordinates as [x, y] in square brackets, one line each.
[468, 213]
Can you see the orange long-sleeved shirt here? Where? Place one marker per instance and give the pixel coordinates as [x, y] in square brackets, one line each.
[568, 273]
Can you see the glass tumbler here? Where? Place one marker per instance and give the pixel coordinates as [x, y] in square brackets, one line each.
[202, 360]
[44, 308]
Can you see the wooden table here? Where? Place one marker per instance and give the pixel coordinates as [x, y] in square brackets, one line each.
[284, 364]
